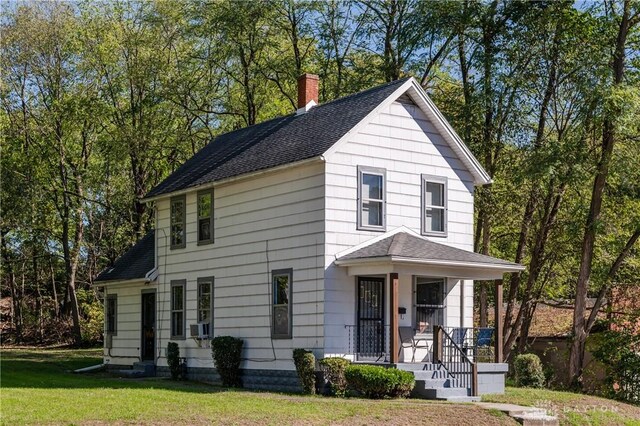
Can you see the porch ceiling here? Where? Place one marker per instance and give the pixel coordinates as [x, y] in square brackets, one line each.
[404, 252]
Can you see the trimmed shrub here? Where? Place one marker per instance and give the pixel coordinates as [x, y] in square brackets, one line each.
[528, 371]
[173, 360]
[305, 363]
[227, 355]
[379, 382]
[333, 369]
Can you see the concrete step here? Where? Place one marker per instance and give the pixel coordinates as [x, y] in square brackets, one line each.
[138, 370]
[416, 366]
[528, 416]
[148, 368]
[438, 383]
[463, 399]
[130, 374]
[431, 375]
[439, 393]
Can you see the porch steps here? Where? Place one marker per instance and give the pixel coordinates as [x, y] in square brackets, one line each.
[433, 382]
[138, 370]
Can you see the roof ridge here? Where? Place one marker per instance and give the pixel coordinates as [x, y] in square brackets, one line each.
[397, 243]
[364, 92]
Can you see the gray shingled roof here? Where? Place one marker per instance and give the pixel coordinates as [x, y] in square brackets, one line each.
[409, 246]
[275, 142]
[135, 263]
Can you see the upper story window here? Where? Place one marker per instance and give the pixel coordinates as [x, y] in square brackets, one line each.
[205, 217]
[281, 281]
[178, 222]
[111, 314]
[371, 198]
[434, 205]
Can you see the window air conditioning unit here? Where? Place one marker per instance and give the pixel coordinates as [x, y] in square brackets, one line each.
[200, 330]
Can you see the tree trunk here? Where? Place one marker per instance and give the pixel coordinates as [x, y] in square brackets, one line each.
[580, 330]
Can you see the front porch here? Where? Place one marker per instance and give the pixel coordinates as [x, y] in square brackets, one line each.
[414, 310]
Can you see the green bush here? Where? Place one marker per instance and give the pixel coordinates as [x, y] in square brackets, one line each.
[227, 355]
[378, 382]
[305, 363]
[619, 350]
[173, 360]
[528, 371]
[334, 369]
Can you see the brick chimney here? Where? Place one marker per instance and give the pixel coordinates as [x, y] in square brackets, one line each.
[307, 90]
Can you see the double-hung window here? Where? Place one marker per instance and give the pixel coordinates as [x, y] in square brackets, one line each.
[205, 304]
[281, 323]
[371, 198]
[178, 222]
[205, 217]
[112, 314]
[177, 309]
[434, 205]
[429, 303]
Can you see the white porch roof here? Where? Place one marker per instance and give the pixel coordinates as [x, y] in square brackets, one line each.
[405, 252]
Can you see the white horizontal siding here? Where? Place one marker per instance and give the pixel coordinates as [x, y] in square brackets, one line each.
[272, 222]
[126, 343]
[401, 140]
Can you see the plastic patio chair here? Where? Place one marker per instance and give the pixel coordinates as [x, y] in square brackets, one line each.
[409, 340]
[483, 342]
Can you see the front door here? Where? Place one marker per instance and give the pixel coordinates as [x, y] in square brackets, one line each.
[371, 329]
[148, 326]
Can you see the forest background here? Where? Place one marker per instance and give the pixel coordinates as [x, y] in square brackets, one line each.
[100, 100]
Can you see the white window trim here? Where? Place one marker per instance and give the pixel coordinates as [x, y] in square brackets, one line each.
[424, 206]
[183, 244]
[183, 284]
[372, 171]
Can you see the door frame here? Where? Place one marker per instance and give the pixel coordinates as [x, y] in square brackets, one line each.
[383, 318]
[155, 322]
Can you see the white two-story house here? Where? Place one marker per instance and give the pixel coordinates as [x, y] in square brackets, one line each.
[345, 228]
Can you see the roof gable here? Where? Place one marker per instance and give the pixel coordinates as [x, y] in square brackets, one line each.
[276, 142]
[299, 137]
[412, 92]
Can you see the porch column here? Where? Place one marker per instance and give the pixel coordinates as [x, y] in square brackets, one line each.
[498, 320]
[393, 326]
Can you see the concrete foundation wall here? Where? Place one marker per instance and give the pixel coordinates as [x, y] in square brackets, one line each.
[491, 377]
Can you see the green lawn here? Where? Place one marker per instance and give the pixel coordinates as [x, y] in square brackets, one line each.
[572, 408]
[39, 388]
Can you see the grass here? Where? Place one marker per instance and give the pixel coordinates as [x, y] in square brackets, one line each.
[572, 408]
[38, 387]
